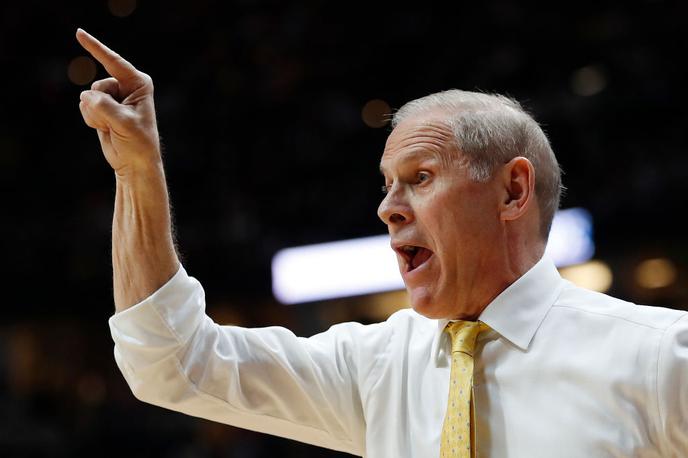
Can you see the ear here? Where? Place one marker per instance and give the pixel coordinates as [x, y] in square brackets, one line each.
[518, 188]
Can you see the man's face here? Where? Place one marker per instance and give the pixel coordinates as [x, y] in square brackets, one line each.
[444, 226]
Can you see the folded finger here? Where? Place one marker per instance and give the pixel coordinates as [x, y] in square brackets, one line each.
[109, 86]
[91, 120]
[104, 111]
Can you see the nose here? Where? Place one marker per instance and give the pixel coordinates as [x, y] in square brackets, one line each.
[394, 210]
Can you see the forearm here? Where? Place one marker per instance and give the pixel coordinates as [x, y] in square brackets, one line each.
[143, 253]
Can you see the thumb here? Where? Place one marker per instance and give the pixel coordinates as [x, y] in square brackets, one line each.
[102, 112]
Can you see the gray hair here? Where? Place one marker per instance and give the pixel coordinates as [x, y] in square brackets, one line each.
[490, 130]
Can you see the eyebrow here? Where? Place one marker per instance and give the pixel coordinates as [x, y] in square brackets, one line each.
[415, 154]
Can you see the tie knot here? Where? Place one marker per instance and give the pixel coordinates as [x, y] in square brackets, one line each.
[464, 333]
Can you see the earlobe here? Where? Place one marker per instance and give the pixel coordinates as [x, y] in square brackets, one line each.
[519, 187]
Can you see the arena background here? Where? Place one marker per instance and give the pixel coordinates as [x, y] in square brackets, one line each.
[271, 141]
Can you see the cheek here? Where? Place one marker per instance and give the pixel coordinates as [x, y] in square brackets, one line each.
[479, 213]
[463, 231]
[458, 217]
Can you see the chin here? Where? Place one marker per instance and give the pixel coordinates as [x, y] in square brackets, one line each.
[424, 304]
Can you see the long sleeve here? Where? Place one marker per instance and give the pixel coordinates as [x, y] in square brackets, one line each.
[264, 379]
[672, 388]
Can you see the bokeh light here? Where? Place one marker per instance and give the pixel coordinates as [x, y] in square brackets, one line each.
[588, 81]
[380, 306]
[655, 273]
[376, 113]
[121, 8]
[81, 70]
[595, 275]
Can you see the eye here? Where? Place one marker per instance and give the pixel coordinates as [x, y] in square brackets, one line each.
[386, 188]
[422, 177]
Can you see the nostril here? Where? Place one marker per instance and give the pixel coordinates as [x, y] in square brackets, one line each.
[397, 218]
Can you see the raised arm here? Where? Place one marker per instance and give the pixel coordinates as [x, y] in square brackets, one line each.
[122, 111]
[169, 351]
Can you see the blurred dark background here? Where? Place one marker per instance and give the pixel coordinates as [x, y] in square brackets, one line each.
[271, 116]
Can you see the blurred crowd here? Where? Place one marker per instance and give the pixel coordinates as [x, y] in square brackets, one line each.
[273, 116]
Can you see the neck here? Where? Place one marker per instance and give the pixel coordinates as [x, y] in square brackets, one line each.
[515, 256]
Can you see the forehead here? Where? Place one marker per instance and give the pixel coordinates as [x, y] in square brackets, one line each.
[428, 135]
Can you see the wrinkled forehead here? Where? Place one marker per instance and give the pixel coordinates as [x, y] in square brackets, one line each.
[429, 133]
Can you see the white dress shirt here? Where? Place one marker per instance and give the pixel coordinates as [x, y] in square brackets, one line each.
[564, 372]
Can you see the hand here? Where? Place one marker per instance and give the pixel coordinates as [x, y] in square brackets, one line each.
[122, 111]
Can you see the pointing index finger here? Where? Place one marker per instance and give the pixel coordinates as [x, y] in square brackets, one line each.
[115, 64]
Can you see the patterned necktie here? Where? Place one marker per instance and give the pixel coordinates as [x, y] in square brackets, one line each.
[458, 430]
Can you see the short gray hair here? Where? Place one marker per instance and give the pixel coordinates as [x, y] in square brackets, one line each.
[491, 129]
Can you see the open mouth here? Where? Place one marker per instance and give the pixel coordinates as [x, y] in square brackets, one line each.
[415, 256]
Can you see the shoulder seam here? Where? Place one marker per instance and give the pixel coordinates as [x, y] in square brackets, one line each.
[659, 404]
[617, 317]
[660, 428]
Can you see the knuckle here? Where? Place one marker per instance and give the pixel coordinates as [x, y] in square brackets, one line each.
[99, 102]
[146, 79]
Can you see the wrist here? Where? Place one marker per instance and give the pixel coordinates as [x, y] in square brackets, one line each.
[142, 173]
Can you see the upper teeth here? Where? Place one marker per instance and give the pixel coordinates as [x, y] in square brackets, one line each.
[409, 248]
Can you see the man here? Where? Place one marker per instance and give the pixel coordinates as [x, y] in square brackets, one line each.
[499, 356]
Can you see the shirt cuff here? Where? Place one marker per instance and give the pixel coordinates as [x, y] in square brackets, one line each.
[157, 326]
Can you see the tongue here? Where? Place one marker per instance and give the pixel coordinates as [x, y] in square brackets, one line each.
[422, 255]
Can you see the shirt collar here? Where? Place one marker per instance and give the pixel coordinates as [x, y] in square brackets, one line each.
[516, 313]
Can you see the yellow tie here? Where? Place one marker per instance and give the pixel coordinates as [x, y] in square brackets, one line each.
[458, 422]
